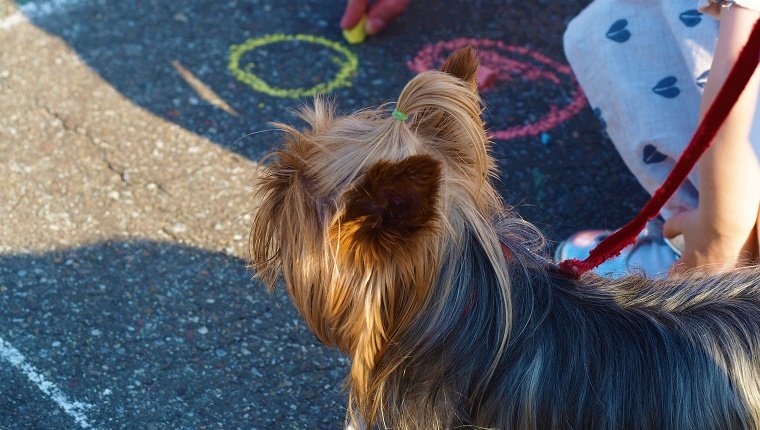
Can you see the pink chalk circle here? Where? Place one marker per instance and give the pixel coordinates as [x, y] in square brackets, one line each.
[509, 62]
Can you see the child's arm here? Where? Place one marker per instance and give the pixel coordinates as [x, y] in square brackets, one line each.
[723, 230]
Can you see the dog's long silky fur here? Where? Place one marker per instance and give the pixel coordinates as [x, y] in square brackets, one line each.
[395, 247]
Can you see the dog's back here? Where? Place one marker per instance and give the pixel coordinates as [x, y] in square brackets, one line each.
[633, 353]
[594, 353]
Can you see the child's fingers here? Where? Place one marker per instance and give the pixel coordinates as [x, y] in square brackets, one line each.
[676, 224]
[383, 12]
[354, 11]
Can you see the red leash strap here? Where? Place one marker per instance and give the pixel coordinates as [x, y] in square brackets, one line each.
[733, 86]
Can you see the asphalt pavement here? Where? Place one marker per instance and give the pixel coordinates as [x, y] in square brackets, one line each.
[130, 138]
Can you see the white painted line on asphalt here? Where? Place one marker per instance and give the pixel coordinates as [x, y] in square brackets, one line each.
[74, 409]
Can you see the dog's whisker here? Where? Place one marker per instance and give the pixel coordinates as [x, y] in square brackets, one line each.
[238, 216]
[253, 134]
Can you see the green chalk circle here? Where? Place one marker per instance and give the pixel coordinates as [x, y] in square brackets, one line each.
[347, 61]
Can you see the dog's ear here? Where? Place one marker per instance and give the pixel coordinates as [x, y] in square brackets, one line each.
[385, 240]
[451, 118]
[463, 63]
[393, 202]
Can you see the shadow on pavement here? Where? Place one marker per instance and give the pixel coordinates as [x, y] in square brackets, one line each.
[156, 336]
[172, 59]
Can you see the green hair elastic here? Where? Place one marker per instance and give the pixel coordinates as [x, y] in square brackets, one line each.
[401, 116]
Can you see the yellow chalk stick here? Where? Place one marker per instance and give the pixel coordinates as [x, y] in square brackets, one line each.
[356, 35]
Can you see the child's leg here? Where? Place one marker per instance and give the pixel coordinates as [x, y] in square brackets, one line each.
[642, 66]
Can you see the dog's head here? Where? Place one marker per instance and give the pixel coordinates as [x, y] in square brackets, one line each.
[358, 214]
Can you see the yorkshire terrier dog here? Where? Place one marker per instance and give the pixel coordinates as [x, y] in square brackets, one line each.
[395, 248]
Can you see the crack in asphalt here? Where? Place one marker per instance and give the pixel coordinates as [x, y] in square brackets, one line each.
[82, 132]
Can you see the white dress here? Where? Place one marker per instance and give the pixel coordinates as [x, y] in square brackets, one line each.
[643, 65]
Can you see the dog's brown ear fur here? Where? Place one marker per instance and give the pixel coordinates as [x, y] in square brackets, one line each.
[463, 63]
[392, 203]
[384, 241]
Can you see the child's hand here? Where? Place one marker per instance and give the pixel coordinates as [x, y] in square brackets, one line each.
[723, 232]
[379, 15]
[709, 246]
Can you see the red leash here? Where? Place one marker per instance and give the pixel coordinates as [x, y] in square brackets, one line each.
[733, 86]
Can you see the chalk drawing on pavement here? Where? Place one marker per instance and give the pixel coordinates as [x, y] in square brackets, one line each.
[512, 62]
[204, 91]
[348, 65]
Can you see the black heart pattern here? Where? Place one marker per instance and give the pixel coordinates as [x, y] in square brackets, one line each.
[618, 31]
[667, 87]
[690, 18]
[652, 155]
